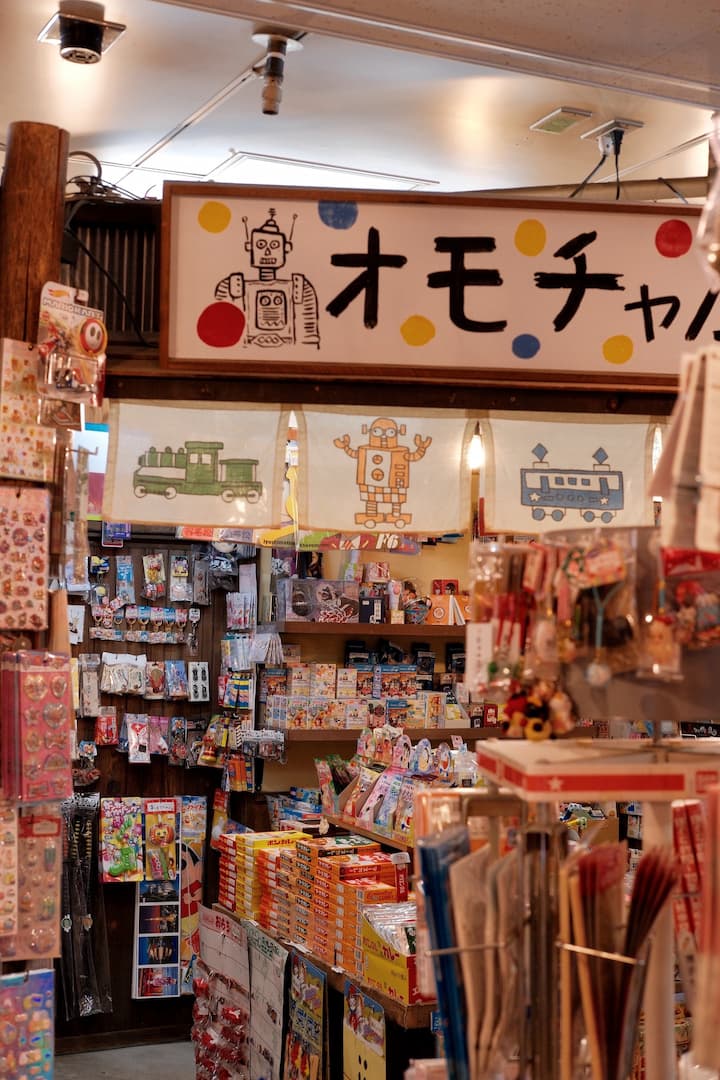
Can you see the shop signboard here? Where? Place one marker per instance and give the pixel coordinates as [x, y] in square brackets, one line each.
[446, 288]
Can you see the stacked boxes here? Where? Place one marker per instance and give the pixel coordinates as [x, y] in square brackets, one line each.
[345, 886]
[243, 888]
[310, 854]
[322, 696]
[318, 892]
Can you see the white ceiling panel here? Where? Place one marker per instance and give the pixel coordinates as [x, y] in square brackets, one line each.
[445, 108]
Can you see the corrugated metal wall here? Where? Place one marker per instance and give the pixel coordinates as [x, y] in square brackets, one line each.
[118, 252]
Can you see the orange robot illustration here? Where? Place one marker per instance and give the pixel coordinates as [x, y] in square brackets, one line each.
[383, 471]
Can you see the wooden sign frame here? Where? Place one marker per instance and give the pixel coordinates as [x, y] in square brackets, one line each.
[665, 284]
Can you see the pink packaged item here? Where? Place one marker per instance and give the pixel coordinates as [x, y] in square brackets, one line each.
[36, 723]
[24, 538]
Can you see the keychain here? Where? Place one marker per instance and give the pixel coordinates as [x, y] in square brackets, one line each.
[192, 637]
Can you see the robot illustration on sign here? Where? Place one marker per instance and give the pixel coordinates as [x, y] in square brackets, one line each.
[383, 471]
[278, 311]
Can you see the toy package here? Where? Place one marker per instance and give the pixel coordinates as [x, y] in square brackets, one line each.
[154, 679]
[154, 576]
[137, 731]
[158, 740]
[692, 582]
[72, 340]
[27, 1004]
[161, 839]
[192, 872]
[181, 590]
[198, 680]
[39, 877]
[177, 741]
[24, 539]
[106, 726]
[124, 579]
[35, 722]
[121, 839]
[176, 682]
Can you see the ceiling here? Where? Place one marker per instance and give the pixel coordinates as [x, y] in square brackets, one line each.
[432, 95]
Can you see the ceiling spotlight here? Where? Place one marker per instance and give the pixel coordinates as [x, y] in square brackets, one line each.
[82, 33]
[277, 44]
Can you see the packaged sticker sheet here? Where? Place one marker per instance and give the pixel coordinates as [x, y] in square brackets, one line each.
[26, 451]
[18, 382]
[27, 1003]
[36, 725]
[24, 545]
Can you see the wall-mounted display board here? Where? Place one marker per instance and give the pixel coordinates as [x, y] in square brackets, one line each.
[311, 282]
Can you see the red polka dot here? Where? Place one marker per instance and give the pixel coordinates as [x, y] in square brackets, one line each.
[221, 325]
[673, 238]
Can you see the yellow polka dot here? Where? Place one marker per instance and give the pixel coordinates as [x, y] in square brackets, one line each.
[530, 237]
[417, 330]
[214, 216]
[618, 349]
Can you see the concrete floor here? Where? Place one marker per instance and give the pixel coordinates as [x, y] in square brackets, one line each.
[164, 1061]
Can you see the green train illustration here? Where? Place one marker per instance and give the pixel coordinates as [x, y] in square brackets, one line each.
[196, 469]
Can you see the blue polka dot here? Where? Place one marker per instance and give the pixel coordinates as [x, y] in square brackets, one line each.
[525, 346]
[338, 215]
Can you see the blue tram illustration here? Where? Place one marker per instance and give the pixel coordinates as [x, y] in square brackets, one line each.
[595, 493]
[196, 469]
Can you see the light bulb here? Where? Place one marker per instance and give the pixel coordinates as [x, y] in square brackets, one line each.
[476, 452]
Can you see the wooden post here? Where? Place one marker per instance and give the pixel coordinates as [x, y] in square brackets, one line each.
[31, 223]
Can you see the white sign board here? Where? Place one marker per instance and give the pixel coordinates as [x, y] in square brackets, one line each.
[292, 280]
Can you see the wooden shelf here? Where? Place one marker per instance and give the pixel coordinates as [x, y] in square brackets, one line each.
[374, 630]
[332, 735]
[352, 826]
[406, 1016]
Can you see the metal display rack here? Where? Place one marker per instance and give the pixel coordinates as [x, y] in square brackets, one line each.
[658, 772]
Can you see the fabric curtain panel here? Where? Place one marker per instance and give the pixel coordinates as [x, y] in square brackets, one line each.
[389, 470]
[195, 464]
[542, 470]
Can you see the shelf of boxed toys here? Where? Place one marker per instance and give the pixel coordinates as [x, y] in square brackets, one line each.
[339, 821]
[405, 1016]
[435, 734]
[376, 630]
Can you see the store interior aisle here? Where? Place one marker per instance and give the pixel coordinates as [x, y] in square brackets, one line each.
[164, 1061]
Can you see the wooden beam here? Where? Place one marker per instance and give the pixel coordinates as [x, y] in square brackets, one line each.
[31, 223]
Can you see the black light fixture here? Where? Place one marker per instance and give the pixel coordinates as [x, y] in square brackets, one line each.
[81, 31]
[277, 44]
